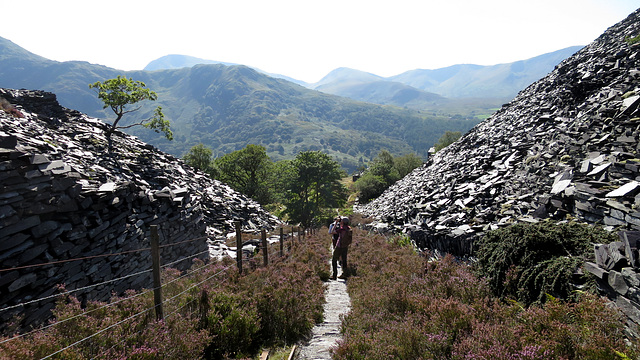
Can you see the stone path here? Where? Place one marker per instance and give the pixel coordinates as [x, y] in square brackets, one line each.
[325, 334]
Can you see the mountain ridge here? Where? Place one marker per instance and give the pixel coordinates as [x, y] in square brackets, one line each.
[229, 107]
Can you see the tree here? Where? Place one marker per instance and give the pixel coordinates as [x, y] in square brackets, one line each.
[406, 163]
[384, 166]
[383, 172]
[121, 93]
[447, 139]
[315, 185]
[201, 157]
[246, 171]
[370, 186]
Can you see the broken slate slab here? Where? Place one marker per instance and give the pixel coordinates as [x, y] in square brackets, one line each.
[624, 190]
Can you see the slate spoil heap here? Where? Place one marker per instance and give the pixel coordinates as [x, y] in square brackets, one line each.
[565, 147]
[62, 197]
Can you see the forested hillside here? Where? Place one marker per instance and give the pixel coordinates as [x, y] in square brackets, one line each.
[229, 107]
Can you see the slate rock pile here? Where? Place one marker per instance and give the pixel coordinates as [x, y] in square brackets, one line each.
[63, 197]
[565, 147]
[616, 269]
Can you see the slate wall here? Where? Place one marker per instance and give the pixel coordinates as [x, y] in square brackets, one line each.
[62, 197]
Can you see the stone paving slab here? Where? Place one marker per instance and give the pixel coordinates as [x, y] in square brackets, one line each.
[327, 333]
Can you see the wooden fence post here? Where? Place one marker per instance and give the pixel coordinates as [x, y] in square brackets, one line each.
[155, 265]
[239, 245]
[281, 242]
[265, 250]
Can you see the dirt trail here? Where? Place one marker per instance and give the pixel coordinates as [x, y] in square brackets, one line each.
[325, 334]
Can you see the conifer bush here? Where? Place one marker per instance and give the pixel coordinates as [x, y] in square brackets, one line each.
[526, 261]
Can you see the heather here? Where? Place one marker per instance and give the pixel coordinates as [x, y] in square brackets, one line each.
[407, 306]
[211, 312]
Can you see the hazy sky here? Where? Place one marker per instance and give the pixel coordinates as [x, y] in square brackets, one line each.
[305, 39]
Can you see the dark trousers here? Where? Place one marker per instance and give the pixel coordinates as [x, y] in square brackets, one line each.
[339, 253]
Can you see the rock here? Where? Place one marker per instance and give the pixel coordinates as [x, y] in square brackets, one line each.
[564, 146]
[62, 198]
[616, 281]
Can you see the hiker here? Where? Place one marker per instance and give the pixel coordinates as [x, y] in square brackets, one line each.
[344, 233]
[334, 236]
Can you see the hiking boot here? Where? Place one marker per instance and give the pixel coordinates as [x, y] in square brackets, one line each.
[333, 277]
[343, 276]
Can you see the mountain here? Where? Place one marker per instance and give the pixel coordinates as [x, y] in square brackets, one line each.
[453, 88]
[428, 89]
[565, 148]
[228, 107]
[372, 88]
[175, 61]
[496, 81]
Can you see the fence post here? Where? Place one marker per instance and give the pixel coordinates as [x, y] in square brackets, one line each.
[155, 265]
[265, 251]
[281, 242]
[239, 245]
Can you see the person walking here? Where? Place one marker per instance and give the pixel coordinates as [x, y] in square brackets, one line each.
[344, 233]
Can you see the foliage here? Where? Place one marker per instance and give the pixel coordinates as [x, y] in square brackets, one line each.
[281, 175]
[525, 262]
[315, 186]
[246, 171]
[370, 186]
[201, 157]
[632, 40]
[119, 94]
[448, 138]
[407, 163]
[214, 313]
[233, 324]
[383, 172]
[408, 307]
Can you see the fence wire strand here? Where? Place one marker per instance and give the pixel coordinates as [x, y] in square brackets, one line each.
[72, 291]
[272, 255]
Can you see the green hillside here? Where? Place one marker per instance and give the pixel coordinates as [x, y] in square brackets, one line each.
[228, 107]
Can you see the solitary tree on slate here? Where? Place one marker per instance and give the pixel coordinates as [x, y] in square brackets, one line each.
[121, 93]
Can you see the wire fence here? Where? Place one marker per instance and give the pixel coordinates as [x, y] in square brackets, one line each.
[265, 247]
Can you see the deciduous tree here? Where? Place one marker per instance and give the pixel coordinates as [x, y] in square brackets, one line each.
[447, 139]
[119, 95]
[201, 157]
[315, 186]
[246, 171]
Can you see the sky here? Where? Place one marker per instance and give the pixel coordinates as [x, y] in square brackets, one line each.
[306, 39]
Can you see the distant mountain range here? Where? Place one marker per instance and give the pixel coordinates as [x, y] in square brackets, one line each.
[227, 107]
[420, 89]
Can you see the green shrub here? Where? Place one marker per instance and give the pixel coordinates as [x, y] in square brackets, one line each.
[632, 40]
[524, 262]
[233, 324]
[370, 187]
